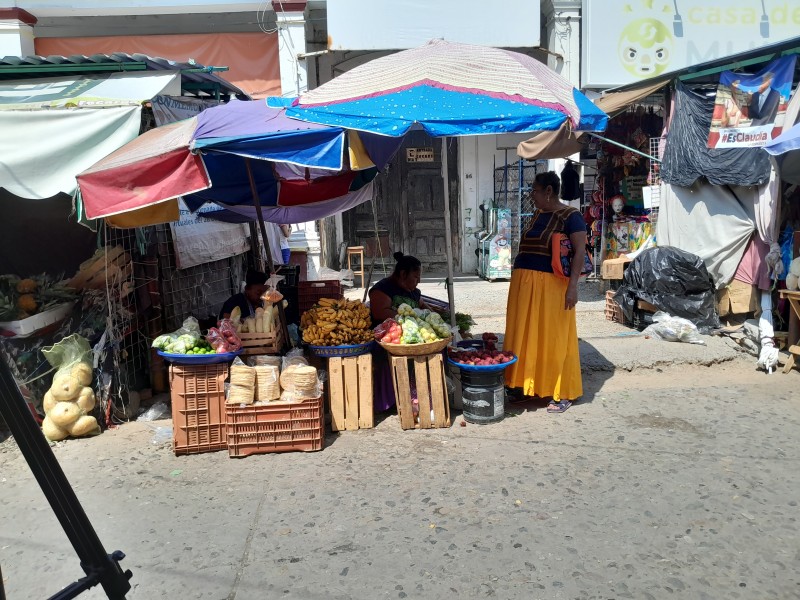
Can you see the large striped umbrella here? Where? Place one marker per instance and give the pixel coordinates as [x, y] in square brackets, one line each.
[448, 89]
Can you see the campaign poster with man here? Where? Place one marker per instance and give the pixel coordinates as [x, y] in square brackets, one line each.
[749, 109]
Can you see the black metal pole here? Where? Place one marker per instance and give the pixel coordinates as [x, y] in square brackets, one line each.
[100, 567]
[265, 241]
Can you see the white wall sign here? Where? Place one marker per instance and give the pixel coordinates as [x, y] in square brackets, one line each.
[629, 40]
[402, 24]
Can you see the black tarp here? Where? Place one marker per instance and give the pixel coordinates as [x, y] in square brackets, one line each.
[687, 156]
[675, 281]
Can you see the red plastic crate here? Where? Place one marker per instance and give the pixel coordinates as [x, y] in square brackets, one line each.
[613, 310]
[276, 427]
[198, 408]
[310, 292]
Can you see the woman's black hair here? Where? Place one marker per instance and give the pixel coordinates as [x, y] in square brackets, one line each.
[548, 179]
[405, 264]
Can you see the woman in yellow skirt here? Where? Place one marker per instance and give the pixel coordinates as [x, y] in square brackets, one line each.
[540, 320]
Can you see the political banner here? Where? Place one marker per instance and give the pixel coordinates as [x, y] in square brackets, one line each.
[749, 109]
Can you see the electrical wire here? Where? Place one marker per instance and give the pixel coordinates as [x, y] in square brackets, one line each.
[262, 18]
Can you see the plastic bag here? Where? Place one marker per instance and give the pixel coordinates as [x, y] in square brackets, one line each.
[675, 281]
[382, 329]
[272, 295]
[70, 399]
[294, 357]
[673, 329]
[161, 435]
[180, 340]
[242, 387]
[300, 382]
[224, 338]
[265, 360]
[228, 331]
[158, 411]
[267, 386]
[294, 335]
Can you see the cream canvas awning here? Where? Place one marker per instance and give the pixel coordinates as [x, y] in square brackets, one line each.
[55, 128]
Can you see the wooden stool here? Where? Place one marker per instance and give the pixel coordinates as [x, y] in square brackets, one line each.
[359, 252]
[794, 359]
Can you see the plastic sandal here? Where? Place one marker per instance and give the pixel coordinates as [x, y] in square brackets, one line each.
[558, 407]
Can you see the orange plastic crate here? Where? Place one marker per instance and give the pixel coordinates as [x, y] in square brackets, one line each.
[613, 310]
[275, 427]
[198, 408]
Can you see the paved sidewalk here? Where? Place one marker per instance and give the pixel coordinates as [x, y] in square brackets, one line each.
[604, 345]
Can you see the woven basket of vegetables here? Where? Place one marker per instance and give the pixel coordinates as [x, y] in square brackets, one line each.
[416, 349]
[414, 332]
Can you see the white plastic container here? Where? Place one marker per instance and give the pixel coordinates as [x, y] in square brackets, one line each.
[29, 326]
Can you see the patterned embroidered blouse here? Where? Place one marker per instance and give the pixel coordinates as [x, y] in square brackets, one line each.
[534, 247]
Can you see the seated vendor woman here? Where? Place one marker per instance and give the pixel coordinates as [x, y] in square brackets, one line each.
[401, 286]
[249, 300]
[384, 298]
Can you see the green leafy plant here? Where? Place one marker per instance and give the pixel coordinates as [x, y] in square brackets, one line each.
[463, 320]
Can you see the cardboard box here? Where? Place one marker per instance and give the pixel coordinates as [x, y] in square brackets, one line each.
[613, 268]
[738, 298]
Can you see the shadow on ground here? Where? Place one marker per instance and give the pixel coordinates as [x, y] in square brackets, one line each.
[596, 369]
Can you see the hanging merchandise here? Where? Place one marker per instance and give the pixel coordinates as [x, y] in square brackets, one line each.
[688, 158]
[570, 183]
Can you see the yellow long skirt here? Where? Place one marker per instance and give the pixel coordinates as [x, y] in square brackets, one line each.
[544, 336]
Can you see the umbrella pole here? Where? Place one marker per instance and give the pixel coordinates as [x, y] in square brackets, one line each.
[265, 241]
[448, 234]
[260, 216]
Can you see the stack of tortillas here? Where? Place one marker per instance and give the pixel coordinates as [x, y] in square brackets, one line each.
[300, 381]
[264, 360]
[305, 382]
[242, 387]
[267, 386]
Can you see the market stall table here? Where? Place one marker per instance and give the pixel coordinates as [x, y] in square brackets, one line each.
[794, 321]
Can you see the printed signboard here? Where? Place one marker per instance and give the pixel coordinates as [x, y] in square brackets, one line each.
[403, 24]
[625, 41]
[749, 109]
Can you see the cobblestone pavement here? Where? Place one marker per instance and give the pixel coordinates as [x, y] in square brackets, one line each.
[668, 479]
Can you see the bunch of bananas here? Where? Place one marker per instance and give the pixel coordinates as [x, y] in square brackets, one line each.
[336, 323]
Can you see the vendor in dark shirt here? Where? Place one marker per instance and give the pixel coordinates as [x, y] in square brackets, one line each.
[249, 300]
[402, 283]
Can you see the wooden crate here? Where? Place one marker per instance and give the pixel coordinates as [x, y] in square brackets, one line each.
[431, 391]
[262, 343]
[646, 306]
[350, 392]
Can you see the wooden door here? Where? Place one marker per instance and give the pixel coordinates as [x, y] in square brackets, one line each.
[410, 205]
[424, 217]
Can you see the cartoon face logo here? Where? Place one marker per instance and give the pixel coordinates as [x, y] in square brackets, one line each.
[645, 47]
